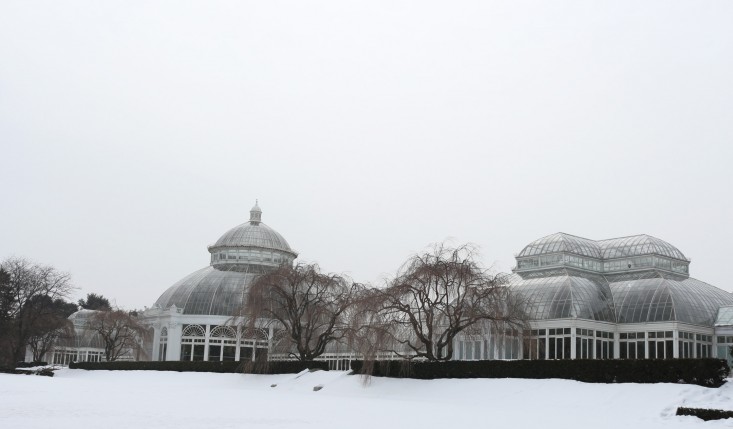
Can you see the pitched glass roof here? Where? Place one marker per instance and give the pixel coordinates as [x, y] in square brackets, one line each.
[634, 298]
[561, 242]
[565, 296]
[638, 245]
[657, 299]
[634, 245]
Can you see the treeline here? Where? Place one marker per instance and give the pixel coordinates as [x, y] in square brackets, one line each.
[34, 309]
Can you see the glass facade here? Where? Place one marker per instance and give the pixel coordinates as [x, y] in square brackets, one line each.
[535, 344]
[686, 344]
[217, 343]
[628, 298]
[724, 348]
[660, 345]
[641, 279]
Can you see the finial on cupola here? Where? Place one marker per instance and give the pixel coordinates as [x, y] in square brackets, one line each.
[255, 214]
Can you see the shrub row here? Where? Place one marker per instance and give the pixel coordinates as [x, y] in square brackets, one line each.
[30, 364]
[705, 413]
[280, 367]
[704, 372]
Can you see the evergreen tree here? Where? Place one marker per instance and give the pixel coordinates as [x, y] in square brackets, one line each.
[6, 296]
[95, 302]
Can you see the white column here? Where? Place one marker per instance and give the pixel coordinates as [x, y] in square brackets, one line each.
[156, 344]
[573, 351]
[175, 330]
[239, 344]
[206, 342]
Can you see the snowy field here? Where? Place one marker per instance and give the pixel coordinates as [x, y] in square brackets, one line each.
[148, 399]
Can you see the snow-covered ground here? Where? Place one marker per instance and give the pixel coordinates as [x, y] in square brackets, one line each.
[148, 399]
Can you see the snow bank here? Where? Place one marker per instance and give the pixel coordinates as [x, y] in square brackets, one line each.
[147, 399]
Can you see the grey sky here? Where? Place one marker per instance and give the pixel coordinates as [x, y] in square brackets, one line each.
[134, 133]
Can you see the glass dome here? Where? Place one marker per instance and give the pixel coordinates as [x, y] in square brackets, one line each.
[253, 234]
[208, 291]
[241, 254]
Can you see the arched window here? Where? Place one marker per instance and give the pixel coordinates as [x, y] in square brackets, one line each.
[253, 345]
[163, 349]
[222, 343]
[193, 343]
[194, 331]
[224, 332]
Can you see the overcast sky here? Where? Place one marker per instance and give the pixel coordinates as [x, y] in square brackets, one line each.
[134, 133]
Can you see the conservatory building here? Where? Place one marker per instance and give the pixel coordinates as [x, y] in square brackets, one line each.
[193, 319]
[83, 344]
[620, 298]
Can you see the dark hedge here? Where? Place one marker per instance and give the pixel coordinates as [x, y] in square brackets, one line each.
[704, 372]
[30, 364]
[705, 413]
[280, 367]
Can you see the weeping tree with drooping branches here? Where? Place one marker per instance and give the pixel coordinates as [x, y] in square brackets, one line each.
[436, 296]
[305, 307]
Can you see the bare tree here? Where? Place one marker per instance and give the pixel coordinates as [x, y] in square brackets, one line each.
[120, 332]
[24, 284]
[307, 305]
[436, 296]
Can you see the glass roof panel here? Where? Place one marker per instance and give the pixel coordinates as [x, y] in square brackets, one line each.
[638, 245]
[725, 316]
[253, 235]
[658, 299]
[565, 296]
[208, 291]
[561, 242]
